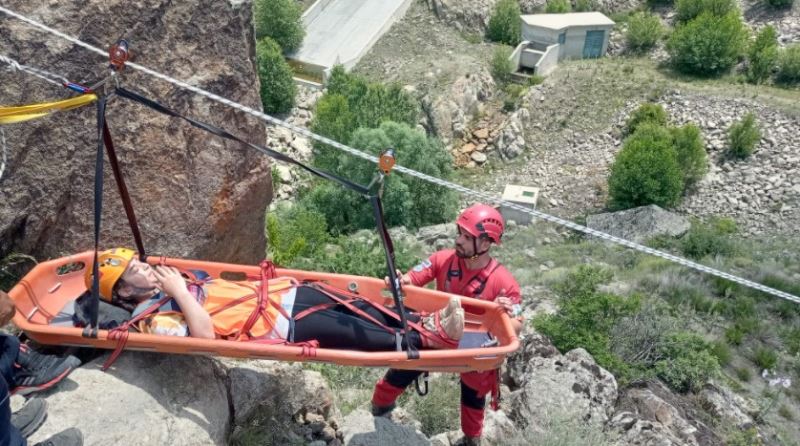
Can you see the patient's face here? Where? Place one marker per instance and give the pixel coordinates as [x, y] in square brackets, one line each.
[140, 275]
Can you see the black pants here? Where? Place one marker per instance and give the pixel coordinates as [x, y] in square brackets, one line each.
[9, 349]
[339, 327]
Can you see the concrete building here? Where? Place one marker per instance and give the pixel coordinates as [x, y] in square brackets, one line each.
[521, 195]
[549, 38]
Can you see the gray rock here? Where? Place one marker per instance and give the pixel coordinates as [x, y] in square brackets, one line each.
[360, 428]
[639, 224]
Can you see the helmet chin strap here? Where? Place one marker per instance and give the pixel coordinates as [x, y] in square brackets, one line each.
[475, 254]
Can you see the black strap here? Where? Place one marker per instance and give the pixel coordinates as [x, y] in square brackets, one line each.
[90, 331]
[225, 134]
[123, 191]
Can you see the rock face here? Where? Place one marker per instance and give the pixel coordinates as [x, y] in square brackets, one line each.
[546, 382]
[195, 194]
[449, 115]
[639, 224]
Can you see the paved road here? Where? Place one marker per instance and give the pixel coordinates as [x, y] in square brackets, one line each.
[345, 30]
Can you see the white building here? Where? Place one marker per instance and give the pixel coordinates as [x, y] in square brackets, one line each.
[549, 38]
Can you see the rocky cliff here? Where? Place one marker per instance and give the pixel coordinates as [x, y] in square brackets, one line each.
[195, 194]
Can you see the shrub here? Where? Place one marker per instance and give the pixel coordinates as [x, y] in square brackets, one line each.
[646, 113]
[710, 238]
[359, 254]
[408, 201]
[505, 25]
[637, 339]
[765, 358]
[692, 157]
[277, 84]
[722, 352]
[585, 5]
[688, 364]
[558, 6]
[762, 55]
[791, 339]
[281, 21]
[789, 65]
[646, 171]
[585, 316]
[686, 10]
[502, 66]
[743, 137]
[780, 3]
[644, 31]
[744, 374]
[436, 412]
[708, 45]
[351, 103]
[294, 231]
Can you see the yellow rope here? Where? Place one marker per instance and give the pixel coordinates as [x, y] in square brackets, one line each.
[10, 115]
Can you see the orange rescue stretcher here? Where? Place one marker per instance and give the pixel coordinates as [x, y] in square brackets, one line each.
[52, 285]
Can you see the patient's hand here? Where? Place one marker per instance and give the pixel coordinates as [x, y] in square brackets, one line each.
[170, 280]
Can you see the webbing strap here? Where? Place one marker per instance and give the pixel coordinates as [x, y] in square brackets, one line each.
[123, 191]
[225, 134]
[90, 331]
[120, 334]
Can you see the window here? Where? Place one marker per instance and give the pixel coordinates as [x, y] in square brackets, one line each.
[562, 37]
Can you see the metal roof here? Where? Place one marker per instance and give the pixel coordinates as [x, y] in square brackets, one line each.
[561, 21]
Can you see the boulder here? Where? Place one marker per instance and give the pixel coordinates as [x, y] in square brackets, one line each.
[360, 428]
[449, 115]
[196, 195]
[543, 382]
[639, 224]
[144, 398]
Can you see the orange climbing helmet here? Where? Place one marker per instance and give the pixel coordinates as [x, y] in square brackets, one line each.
[112, 264]
[480, 219]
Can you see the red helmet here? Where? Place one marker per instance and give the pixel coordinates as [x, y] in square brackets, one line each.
[480, 219]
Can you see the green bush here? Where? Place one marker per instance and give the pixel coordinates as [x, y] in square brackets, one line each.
[351, 103]
[789, 65]
[762, 55]
[646, 171]
[502, 66]
[765, 358]
[359, 254]
[722, 352]
[688, 362]
[743, 137]
[505, 25]
[692, 156]
[744, 374]
[686, 10]
[294, 231]
[712, 238]
[407, 201]
[647, 113]
[281, 21]
[585, 5]
[586, 317]
[436, 412]
[558, 6]
[780, 3]
[791, 339]
[644, 31]
[708, 45]
[277, 84]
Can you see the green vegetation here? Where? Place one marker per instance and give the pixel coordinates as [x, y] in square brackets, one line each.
[281, 21]
[743, 136]
[686, 10]
[277, 86]
[708, 45]
[295, 231]
[408, 201]
[789, 65]
[762, 55]
[505, 24]
[586, 5]
[691, 152]
[558, 6]
[647, 113]
[709, 239]
[502, 67]
[644, 31]
[646, 170]
[780, 3]
[688, 362]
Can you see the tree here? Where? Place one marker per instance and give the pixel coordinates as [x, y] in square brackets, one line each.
[709, 44]
[646, 171]
[647, 113]
[762, 55]
[408, 201]
[281, 21]
[277, 84]
[505, 25]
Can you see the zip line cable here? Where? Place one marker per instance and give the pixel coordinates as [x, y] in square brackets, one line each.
[482, 196]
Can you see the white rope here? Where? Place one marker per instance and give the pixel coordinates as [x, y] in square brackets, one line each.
[41, 74]
[482, 196]
[3, 159]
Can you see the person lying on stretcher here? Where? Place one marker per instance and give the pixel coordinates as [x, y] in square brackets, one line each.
[216, 308]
